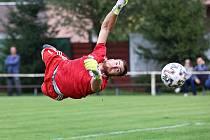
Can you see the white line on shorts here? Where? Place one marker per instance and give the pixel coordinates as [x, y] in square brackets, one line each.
[124, 132]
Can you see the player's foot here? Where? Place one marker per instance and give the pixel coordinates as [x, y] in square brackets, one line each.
[48, 46]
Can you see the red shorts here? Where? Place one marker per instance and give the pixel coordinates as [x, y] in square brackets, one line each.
[51, 57]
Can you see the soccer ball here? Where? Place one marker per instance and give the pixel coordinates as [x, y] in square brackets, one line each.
[174, 75]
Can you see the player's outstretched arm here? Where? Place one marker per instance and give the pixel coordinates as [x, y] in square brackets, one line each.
[110, 21]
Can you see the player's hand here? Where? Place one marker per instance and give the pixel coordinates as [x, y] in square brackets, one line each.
[92, 65]
[119, 5]
[122, 3]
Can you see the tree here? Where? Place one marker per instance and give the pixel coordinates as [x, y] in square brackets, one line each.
[27, 31]
[94, 11]
[176, 28]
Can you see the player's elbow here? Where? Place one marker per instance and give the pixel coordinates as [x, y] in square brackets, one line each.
[106, 27]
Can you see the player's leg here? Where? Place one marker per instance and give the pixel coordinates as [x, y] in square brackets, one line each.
[51, 57]
[49, 51]
[53, 48]
[110, 21]
[44, 50]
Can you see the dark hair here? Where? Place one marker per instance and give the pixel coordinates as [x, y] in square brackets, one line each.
[125, 64]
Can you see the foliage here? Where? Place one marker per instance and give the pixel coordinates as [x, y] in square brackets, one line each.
[176, 27]
[27, 30]
[6, 0]
[95, 11]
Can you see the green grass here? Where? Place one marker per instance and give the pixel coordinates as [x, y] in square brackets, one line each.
[40, 118]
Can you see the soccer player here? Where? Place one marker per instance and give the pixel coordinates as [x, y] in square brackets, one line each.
[84, 76]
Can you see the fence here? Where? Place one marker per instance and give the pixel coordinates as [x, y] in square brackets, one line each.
[132, 74]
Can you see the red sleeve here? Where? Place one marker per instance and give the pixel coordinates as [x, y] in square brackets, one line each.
[99, 52]
[104, 83]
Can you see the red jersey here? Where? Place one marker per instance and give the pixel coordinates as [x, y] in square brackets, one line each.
[72, 79]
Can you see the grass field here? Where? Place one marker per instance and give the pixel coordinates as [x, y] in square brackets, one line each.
[106, 118]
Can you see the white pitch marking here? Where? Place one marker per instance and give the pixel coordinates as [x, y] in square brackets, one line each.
[199, 123]
[124, 132]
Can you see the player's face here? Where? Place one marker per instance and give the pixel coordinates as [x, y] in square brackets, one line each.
[113, 67]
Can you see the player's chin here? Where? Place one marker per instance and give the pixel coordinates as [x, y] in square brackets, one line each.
[105, 67]
[112, 74]
[106, 73]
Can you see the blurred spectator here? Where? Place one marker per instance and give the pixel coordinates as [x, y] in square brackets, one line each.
[201, 66]
[192, 80]
[12, 65]
[207, 83]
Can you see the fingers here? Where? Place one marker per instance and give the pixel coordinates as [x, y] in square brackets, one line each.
[118, 7]
[122, 2]
[91, 64]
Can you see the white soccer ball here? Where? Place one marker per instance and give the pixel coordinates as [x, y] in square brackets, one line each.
[174, 75]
